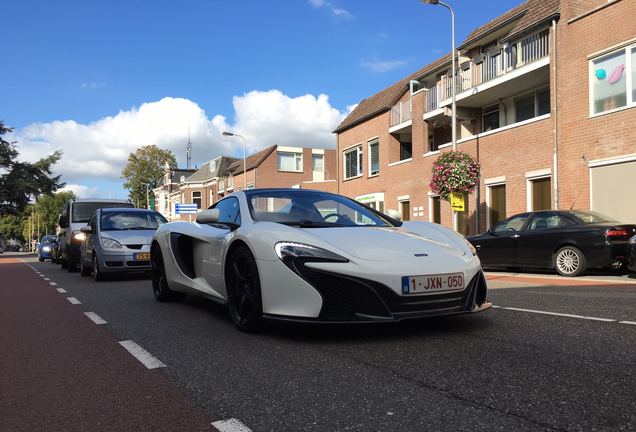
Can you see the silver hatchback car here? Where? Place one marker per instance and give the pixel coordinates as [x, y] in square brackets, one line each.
[118, 241]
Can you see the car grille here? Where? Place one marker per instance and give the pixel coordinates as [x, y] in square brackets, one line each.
[114, 263]
[352, 298]
[134, 246]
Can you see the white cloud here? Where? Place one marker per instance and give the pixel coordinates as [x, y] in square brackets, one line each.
[99, 150]
[381, 66]
[337, 11]
[80, 191]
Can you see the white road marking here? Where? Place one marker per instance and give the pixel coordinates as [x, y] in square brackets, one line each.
[73, 300]
[61, 290]
[557, 314]
[52, 284]
[231, 425]
[627, 322]
[148, 360]
[45, 278]
[95, 318]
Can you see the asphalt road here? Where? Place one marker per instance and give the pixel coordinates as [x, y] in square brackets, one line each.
[506, 369]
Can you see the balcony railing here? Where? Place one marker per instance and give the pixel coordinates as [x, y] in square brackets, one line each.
[491, 65]
[401, 112]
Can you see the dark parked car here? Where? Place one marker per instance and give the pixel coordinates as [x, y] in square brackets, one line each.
[56, 255]
[568, 241]
[44, 247]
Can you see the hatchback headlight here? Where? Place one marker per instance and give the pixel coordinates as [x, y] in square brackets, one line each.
[110, 243]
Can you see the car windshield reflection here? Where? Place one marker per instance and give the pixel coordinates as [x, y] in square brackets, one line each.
[127, 221]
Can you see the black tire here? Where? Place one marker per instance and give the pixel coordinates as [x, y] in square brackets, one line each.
[569, 261]
[84, 271]
[243, 287]
[40, 259]
[63, 263]
[160, 287]
[98, 275]
[71, 266]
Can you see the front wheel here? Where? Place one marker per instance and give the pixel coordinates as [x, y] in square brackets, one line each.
[569, 261]
[98, 276]
[160, 287]
[244, 291]
[84, 271]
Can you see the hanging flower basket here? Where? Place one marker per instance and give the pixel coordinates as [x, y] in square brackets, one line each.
[454, 172]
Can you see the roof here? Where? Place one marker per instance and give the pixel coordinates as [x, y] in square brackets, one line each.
[252, 161]
[527, 14]
[203, 174]
[386, 98]
[176, 175]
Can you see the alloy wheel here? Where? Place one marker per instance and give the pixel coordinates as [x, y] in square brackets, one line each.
[568, 261]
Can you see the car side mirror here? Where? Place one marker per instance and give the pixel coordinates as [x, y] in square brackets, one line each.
[394, 214]
[208, 216]
[86, 229]
[62, 221]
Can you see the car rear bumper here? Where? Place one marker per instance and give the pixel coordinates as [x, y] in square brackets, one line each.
[349, 299]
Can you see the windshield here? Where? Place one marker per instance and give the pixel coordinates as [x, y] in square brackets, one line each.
[82, 211]
[48, 239]
[588, 217]
[311, 209]
[122, 221]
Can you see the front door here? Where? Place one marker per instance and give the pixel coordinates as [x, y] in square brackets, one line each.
[498, 247]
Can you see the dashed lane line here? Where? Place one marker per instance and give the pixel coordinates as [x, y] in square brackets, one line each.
[47, 279]
[61, 290]
[147, 359]
[52, 284]
[231, 425]
[583, 317]
[73, 300]
[95, 318]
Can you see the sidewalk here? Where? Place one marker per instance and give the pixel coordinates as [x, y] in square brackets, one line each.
[554, 279]
[59, 371]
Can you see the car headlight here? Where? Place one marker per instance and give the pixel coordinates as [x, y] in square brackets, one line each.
[78, 236]
[471, 247]
[110, 243]
[46, 248]
[290, 253]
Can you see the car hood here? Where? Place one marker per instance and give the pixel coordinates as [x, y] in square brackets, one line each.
[386, 243]
[130, 236]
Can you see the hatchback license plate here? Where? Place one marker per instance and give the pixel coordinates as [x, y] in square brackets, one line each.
[141, 256]
[430, 283]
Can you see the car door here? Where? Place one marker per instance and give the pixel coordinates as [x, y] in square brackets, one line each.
[209, 254]
[88, 245]
[543, 233]
[498, 247]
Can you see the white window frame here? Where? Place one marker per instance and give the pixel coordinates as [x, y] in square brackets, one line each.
[369, 144]
[298, 160]
[630, 101]
[358, 150]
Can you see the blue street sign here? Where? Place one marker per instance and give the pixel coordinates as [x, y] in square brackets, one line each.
[185, 208]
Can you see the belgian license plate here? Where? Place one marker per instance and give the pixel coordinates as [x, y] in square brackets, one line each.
[432, 283]
[141, 256]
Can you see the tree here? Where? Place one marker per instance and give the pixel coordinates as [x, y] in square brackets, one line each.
[48, 208]
[11, 227]
[23, 181]
[144, 169]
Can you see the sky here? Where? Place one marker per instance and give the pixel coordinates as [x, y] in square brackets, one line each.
[98, 79]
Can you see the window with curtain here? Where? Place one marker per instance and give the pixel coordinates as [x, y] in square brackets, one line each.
[290, 161]
[609, 83]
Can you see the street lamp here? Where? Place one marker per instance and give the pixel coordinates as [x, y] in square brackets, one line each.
[453, 84]
[244, 155]
[454, 80]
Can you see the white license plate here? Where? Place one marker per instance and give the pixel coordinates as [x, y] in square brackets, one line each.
[432, 283]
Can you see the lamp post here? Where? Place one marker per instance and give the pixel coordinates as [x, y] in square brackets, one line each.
[226, 133]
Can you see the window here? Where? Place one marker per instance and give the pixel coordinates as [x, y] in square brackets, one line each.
[288, 161]
[515, 223]
[374, 158]
[196, 199]
[491, 118]
[213, 166]
[318, 166]
[230, 182]
[541, 193]
[353, 162]
[524, 107]
[229, 211]
[406, 150]
[182, 179]
[548, 221]
[609, 82]
[496, 204]
[405, 210]
[543, 102]
[435, 209]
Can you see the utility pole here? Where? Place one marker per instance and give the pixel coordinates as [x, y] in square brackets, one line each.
[188, 150]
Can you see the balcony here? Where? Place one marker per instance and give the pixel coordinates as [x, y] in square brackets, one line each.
[400, 113]
[501, 63]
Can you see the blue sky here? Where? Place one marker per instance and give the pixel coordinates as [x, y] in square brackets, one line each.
[100, 78]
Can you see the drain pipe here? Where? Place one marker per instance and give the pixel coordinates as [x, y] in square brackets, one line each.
[555, 123]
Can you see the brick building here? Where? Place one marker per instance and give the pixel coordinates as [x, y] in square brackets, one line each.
[577, 56]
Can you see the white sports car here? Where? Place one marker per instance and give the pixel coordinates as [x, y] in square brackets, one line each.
[305, 255]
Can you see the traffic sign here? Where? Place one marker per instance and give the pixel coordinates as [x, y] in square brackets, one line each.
[186, 208]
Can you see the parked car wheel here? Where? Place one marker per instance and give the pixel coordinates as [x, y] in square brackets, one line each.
[40, 259]
[71, 266]
[84, 271]
[160, 287]
[569, 261]
[98, 276]
[244, 291]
